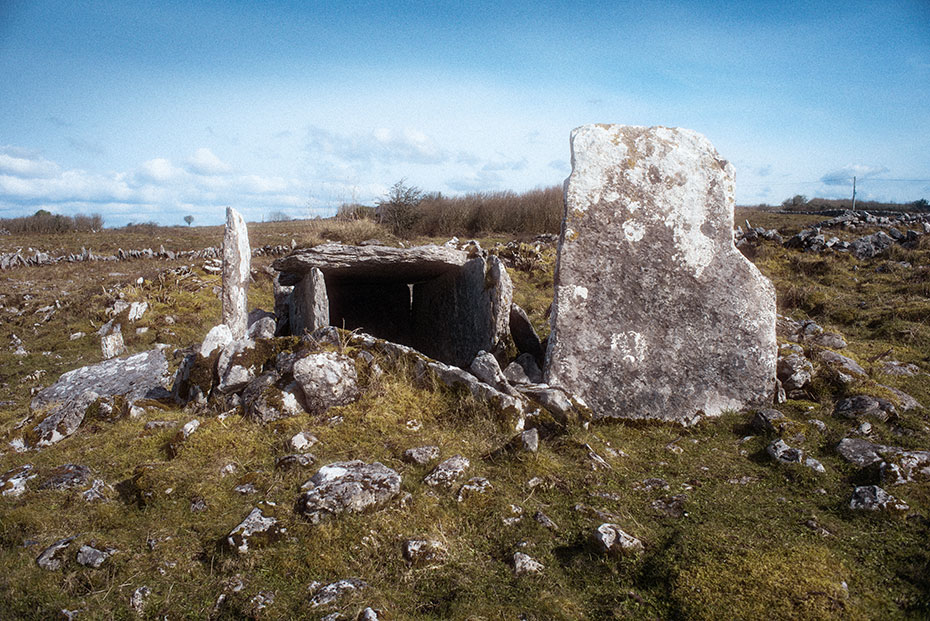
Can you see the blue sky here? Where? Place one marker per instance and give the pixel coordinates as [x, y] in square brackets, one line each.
[152, 111]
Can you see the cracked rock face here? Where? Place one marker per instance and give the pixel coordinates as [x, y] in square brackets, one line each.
[327, 379]
[348, 486]
[656, 313]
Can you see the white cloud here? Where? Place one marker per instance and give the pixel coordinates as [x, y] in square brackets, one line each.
[844, 176]
[20, 164]
[205, 162]
[381, 145]
[160, 170]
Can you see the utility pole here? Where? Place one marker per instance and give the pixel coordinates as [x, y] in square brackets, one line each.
[854, 193]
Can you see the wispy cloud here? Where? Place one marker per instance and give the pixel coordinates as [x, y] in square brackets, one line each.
[21, 163]
[382, 145]
[205, 162]
[844, 176]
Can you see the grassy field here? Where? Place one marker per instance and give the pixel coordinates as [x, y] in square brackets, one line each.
[728, 533]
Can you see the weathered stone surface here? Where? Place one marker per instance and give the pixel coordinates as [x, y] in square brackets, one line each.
[255, 530]
[423, 551]
[326, 379]
[612, 539]
[906, 401]
[830, 340]
[13, 482]
[339, 261]
[50, 558]
[65, 402]
[237, 264]
[217, 338]
[463, 312]
[486, 368]
[448, 472]
[893, 464]
[768, 421]
[524, 335]
[874, 498]
[233, 368]
[350, 486]
[302, 441]
[553, 399]
[66, 476]
[421, 455]
[263, 401]
[472, 487]
[656, 313]
[331, 593]
[794, 371]
[864, 406]
[303, 460]
[525, 564]
[309, 309]
[111, 342]
[92, 557]
[841, 363]
[523, 370]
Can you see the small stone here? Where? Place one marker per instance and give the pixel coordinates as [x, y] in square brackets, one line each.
[475, 485]
[259, 602]
[447, 472]
[92, 557]
[50, 558]
[524, 564]
[76, 336]
[198, 505]
[352, 486]
[654, 483]
[529, 440]
[95, 492]
[13, 482]
[842, 363]
[611, 539]
[331, 593]
[861, 406]
[302, 441]
[66, 476]
[245, 488]
[421, 455]
[137, 601]
[672, 506]
[256, 529]
[794, 371]
[368, 614]
[783, 453]
[545, 520]
[830, 340]
[874, 498]
[302, 460]
[418, 551]
[217, 338]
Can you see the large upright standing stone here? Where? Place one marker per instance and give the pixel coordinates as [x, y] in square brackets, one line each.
[237, 263]
[656, 314]
[309, 307]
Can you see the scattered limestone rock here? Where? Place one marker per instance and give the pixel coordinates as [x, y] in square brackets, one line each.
[475, 485]
[136, 310]
[486, 368]
[418, 551]
[447, 472]
[50, 558]
[906, 401]
[351, 486]
[768, 421]
[782, 453]
[111, 343]
[874, 498]
[326, 379]
[847, 367]
[92, 557]
[649, 217]
[331, 593]
[830, 340]
[237, 259]
[524, 564]
[302, 441]
[264, 401]
[217, 338]
[182, 435]
[95, 492]
[893, 367]
[259, 602]
[529, 440]
[864, 406]
[255, 530]
[421, 455]
[137, 601]
[671, 506]
[303, 460]
[66, 476]
[611, 539]
[13, 482]
[794, 371]
[545, 520]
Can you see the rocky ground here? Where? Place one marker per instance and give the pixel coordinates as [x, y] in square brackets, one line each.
[406, 494]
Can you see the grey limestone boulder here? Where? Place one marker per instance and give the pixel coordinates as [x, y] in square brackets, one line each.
[13, 481]
[794, 371]
[418, 551]
[89, 556]
[264, 401]
[874, 498]
[656, 313]
[326, 379]
[63, 405]
[611, 539]
[421, 455]
[447, 472]
[66, 476]
[351, 486]
[486, 368]
[256, 530]
[50, 558]
[331, 593]
[525, 564]
[864, 406]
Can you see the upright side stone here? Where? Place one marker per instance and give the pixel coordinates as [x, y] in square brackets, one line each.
[237, 263]
[309, 308]
[656, 313]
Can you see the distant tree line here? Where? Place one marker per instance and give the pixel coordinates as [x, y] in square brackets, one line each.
[44, 221]
[407, 211]
[799, 202]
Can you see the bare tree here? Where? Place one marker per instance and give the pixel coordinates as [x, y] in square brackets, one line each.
[188, 219]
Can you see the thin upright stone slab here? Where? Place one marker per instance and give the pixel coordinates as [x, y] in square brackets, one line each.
[237, 263]
[656, 313]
